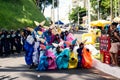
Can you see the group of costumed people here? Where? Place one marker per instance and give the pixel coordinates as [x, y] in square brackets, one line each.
[52, 48]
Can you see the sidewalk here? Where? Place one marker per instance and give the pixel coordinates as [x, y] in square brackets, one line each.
[114, 71]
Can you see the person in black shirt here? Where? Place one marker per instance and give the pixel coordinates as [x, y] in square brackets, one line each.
[18, 41]
[0, 43]
[12, 41]
[115, 43]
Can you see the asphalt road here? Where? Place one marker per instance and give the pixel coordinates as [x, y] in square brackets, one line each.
[14, 68]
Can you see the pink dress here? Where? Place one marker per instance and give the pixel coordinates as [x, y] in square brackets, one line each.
[70, 37]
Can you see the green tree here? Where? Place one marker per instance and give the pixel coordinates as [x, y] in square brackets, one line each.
[73, 16]
[104, 7]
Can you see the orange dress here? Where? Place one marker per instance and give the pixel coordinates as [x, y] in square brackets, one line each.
[86, 59]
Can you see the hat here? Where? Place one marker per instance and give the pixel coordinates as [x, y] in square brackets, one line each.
[84, 41]
[37, 23]
[74, 42]
[42, 23]
[56, 45]
[46, 27]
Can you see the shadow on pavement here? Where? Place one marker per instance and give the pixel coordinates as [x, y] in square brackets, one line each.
[7, 77]
[66, 75]
[22, 68]
[83, 74]
[15, 55]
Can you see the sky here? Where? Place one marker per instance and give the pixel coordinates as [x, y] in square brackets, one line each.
[64, 8]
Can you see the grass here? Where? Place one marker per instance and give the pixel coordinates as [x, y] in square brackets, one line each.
[16, 14]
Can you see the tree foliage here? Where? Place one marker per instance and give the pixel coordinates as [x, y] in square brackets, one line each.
[104, 7]
[73, 16]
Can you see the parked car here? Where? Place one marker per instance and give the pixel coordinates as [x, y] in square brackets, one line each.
[82, 28]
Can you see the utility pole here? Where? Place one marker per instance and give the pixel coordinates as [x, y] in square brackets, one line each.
[78, 18]
[98, 9]
[85, 4]
[115, 8]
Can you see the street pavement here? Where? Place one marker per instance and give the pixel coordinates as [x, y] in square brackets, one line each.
[14, 68]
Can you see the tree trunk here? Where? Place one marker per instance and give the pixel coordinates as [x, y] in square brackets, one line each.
[111, 11]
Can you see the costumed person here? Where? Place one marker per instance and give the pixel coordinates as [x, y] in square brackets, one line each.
[115, 43]
[57, 48]
[57, 39]
[58, 51]
[29, 43]
[73, 60]
[39, 26]
[79, 50]
[36, 53]
[86, 57]
[43, 63]
[62, 59]
[51, 59]
[48, 36]
[62, 35]
[69, 36]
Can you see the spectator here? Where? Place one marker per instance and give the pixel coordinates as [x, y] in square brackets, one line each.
[115, 43]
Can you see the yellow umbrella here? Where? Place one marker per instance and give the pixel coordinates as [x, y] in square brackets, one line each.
[104, 22]
[100, 23]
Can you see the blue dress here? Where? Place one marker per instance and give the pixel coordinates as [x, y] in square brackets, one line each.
[43, 62]
[62, 60]
[29, 53]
